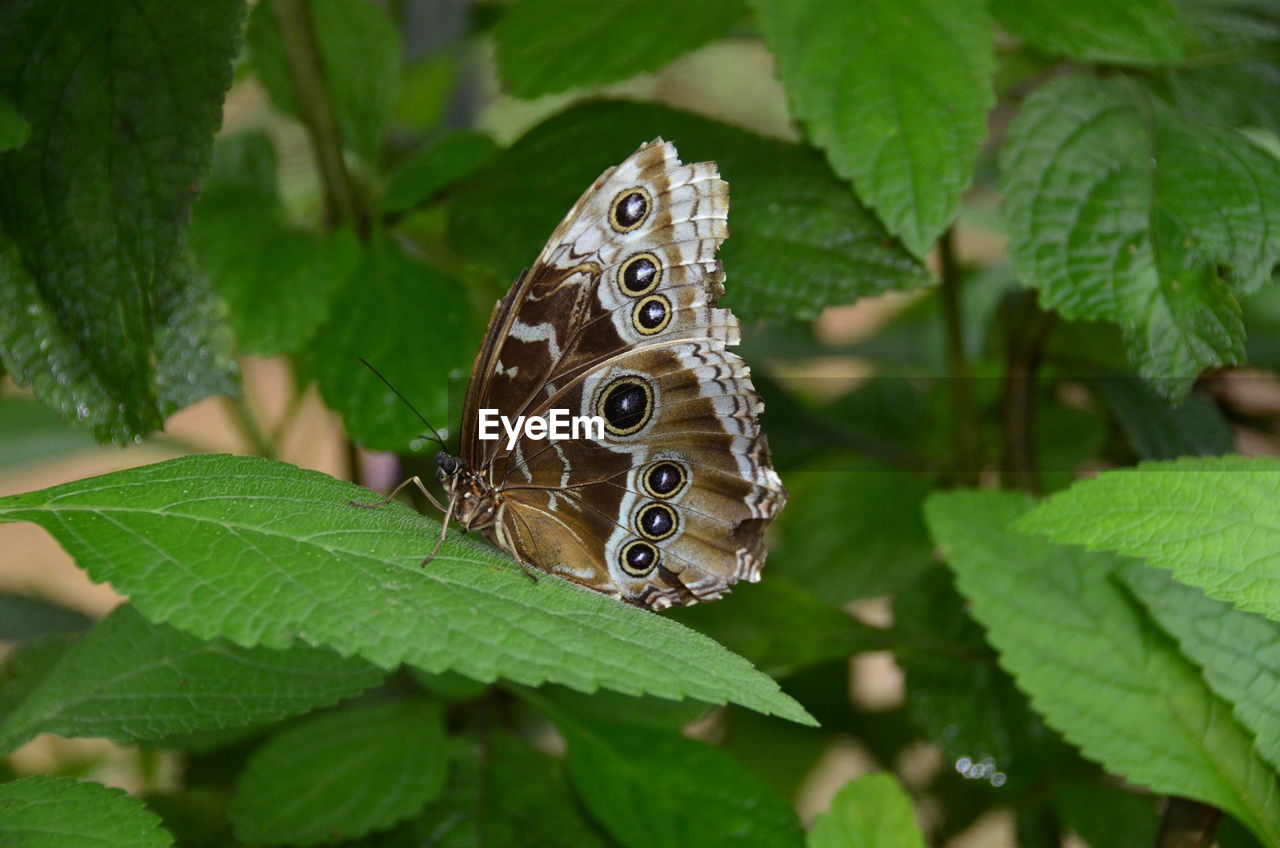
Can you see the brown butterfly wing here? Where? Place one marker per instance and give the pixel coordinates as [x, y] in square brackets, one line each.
[618, 318]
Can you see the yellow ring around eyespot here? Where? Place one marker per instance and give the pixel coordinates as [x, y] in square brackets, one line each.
[666, 315]
[631, 260]
[617, 225]
[634, 572]
[648, 405]
[671, 513]
[684, 478]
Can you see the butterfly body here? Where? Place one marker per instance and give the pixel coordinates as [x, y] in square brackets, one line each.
[617, 319]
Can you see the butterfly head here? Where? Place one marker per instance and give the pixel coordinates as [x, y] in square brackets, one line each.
[470, 495]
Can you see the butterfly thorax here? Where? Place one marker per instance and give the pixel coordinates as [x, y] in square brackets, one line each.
[472, 498]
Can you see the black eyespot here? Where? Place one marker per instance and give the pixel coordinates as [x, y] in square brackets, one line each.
[638, 558]
[664, 479]
[656, 521]
[629, 210]
[639, 274]
[652, 315]
[626, 405]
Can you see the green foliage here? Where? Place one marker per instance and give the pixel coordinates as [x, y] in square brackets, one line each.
[539, 55]
[1071, 208]
[1122, 209]
[424, 175]
[1123, 693]
[870, 812]
[14, 130]
[342, 775]
[37, 813]
[130, 679]
[99, 318]
[277, 280]
[856, 533]
[360, 54]
[706, 798]
[959, 694]
[1211, 520]
[1194, 426]
[32, 432]
[1125, 32]
[1236, 649]
[902, 113]
[280, 554]
[378, 314]
[800, 239]
[24, 618]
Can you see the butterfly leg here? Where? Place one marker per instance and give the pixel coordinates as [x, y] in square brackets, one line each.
[444, 528]
[527, 570]
[415, 480]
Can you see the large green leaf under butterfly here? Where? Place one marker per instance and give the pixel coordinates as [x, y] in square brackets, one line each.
[263, 553]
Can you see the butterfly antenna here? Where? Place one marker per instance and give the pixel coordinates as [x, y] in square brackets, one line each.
[435, 435]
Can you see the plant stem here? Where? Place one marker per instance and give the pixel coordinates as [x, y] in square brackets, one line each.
[965, 448]
[249, 428]
[1188, 824]
[1028, 328]
[306, 71]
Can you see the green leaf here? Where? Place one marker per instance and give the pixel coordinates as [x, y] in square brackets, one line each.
[500, 792]
[782, 753]
[706, 797]
[896, 92]
[1213, 521]
[123, 101]
[26, 666]
[957, 694]
[613, 707]
[448, 161]
[1120, 209]
[413, 324]
[360, 52]
[36, 812]
[342, 775]
[1238, 652]
[129, 679]
[871, 812]
[525, 799]
[538, 54]
[278, 281]
[14, 130]
[24, 618]
[853, 533]
[1107, 816]
[781, 626]
[800, 239]
[1095, 666]
[31, 432]
[263, 553]
[1155, 428]
[1114, 32]
[1244, 92]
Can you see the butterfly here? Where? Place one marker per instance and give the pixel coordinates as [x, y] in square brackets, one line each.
[668, 502]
